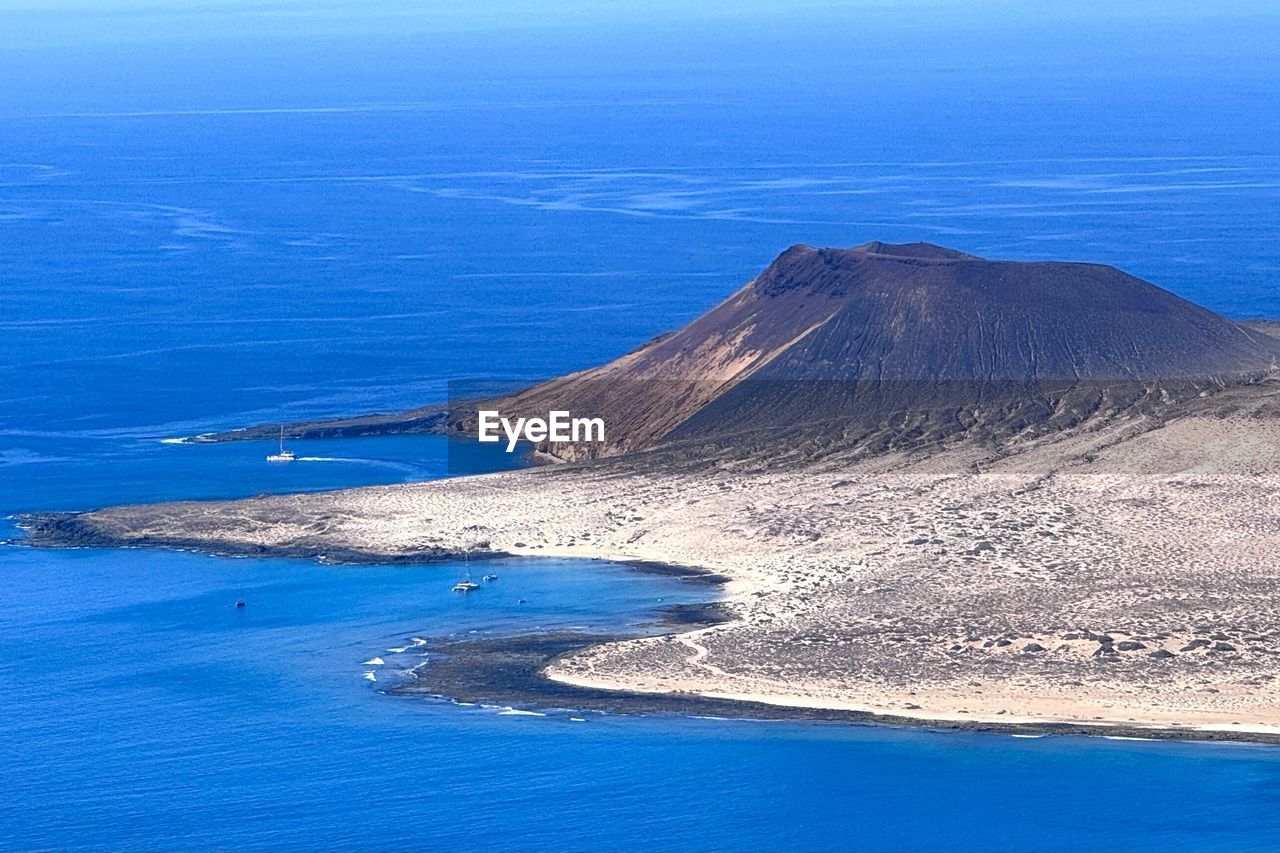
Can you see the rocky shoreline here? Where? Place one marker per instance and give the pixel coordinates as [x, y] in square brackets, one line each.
[73, 530]
[510, 671]
[967, 587]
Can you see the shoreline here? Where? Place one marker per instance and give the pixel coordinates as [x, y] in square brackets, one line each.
[514, 670]
[65, 530]
[511, 671]
[1028, 592]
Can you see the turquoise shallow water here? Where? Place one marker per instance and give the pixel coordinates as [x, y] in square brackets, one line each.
[180, 255]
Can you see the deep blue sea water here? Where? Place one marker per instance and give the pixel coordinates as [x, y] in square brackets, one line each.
[203, 235]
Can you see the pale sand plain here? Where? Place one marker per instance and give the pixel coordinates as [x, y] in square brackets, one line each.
[1125, 572]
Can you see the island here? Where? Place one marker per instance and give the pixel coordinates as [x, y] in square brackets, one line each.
[938, 488]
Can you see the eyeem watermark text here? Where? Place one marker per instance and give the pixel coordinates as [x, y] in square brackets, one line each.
[557, 427]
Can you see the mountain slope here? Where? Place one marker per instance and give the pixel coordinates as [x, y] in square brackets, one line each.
[923, 312]
[827, 336]
[886, 345]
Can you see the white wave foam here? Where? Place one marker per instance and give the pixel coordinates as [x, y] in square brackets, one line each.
[353, 460]
[374, 662]
[371, 676]
[517, 712]
[398, 651]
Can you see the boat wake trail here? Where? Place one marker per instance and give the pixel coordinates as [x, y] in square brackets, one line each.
[352, 460]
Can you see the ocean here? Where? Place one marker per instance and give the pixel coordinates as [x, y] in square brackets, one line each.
[207, 243]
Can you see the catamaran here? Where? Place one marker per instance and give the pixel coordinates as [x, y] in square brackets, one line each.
[283, 455]
[465, 585]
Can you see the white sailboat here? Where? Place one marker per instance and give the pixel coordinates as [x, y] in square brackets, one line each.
[467, 584]
[283, 455]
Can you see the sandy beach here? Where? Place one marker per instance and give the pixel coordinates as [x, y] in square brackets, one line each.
[1121, 573]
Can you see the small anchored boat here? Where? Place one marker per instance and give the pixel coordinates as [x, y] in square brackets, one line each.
[283, 455]
[466, 584]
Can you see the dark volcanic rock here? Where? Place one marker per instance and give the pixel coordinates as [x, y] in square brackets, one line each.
[78, 530]
[509, 671]
[924, 312]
